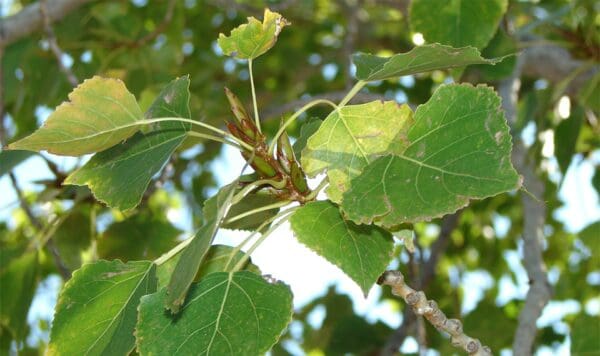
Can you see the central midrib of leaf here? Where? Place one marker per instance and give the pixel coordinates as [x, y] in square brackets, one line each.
[360, 148]
[218, 321]
[119, 314]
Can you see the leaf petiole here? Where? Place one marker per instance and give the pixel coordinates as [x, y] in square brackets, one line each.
[256, 117]
[295, 116]
[355, 89]
[250, 187]
[215, 138]
[279, 204]
[284, 218]
[251, 235]
[198, 123]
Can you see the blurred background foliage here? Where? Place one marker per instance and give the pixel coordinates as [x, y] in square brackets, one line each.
[52, 229]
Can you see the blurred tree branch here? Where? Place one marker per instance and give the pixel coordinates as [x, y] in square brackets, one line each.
[30, 19]
[534, 215]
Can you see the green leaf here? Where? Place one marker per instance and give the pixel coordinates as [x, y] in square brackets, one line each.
[418, 60]
[565, 138]
[97, 308]
[195, 252]
[120, 175]
[11, 159]
[17, 281]
[584, 336]
[226, 314]
[352, 137]
[219, 258]
[249, 202]
[589, 237]
[459, 150]
[140, 237]
[250, 40]
[362, 252]
[456, 22]
[100, 114]
[73, 236]
[306, 131]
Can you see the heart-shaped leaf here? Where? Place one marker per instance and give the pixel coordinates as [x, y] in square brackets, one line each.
[362, 252]
[352, 137]
[100, 114]
[459, 150]
[226, 314]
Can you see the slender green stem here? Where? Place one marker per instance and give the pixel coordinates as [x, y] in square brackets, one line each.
[317, 190]
[193, 122]
[355, 89]
[247, 189]
[294, 117]
[172, 252]
[262, 238]
[256, 117]
[218, 139]
[181, 119]
[251, 235]
[279, 204]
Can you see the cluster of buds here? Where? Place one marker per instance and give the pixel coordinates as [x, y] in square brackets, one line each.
[283, 169]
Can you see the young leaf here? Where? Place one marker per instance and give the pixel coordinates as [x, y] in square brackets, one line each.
[420, 59]
[362, 252]
[352, 137]
[250, 40]
[194, 253]
[101, 114]
[120, 175]
[17, 280]
[459, 150]
[96, 310]
[226, 314]
[457, 23]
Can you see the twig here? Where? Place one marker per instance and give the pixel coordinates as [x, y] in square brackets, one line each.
[60, 265]
[53, 44]
[351, 11]
[335, 96]
[396, 339]
[29, 20]
[430, 310]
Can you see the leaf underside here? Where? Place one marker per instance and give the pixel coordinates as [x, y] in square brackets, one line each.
[100, 114]
[420, 59]
[192, 256]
